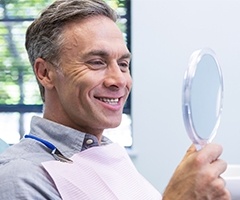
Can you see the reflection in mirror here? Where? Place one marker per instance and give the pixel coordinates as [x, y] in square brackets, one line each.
[202, 97]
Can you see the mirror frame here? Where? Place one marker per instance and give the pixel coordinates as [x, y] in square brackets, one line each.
[195, 58]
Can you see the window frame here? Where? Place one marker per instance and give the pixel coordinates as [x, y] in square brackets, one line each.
[35, 108]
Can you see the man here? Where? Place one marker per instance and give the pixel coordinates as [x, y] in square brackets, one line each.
[81, 63]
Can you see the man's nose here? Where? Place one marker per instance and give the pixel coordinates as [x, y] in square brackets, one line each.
[115, 78]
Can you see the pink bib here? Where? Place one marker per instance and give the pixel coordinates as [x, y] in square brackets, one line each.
[104, 173]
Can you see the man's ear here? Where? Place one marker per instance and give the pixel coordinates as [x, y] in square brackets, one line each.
[44, 73]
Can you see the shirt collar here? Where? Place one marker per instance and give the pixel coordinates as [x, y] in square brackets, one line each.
[67, 140]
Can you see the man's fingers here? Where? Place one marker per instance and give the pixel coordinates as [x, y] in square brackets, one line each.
[218, 167]
[211, 152]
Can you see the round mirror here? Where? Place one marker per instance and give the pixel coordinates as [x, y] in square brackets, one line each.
[202, 97]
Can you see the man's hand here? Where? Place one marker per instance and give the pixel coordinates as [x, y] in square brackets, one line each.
[198, 176]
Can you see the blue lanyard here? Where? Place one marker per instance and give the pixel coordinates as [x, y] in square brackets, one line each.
[54, 151]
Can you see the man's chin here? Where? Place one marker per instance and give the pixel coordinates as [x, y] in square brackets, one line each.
[114, 124]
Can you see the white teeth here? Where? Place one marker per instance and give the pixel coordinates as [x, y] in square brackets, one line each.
[110, 101]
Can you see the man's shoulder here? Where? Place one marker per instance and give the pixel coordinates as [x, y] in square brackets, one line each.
[14, 164]
[23, 176]
[22, 158]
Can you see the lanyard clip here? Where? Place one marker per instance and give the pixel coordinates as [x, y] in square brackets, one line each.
[55, 152]
[58, 156]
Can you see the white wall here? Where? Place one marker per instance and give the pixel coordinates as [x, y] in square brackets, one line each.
[164, 34]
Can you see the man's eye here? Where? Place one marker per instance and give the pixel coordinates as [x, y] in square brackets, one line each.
[124, 66]
[96, 64]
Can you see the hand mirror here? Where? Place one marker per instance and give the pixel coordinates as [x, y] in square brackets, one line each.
[202, 97]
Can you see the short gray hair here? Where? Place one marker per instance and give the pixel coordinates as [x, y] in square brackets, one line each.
[44, 37]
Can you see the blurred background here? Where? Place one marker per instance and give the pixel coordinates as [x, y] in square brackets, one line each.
[19, 93]
[164, 35]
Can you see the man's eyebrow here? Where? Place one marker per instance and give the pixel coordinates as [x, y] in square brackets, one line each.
[126, 56]
[97, 53]
[103, 53]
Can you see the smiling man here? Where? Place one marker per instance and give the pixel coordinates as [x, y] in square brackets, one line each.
[81, 63]
[88, 87]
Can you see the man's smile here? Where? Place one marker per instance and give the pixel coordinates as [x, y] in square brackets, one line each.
[112, 101]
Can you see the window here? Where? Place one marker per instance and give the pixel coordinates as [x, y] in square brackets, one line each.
[19, 94]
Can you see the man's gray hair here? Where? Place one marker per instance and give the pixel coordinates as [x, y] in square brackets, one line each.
[44, 36]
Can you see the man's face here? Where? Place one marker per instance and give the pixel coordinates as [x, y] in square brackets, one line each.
[94, 81]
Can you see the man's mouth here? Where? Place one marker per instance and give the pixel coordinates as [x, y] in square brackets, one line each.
[112, 101]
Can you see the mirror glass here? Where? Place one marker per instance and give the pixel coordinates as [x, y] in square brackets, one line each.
[202, 96]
